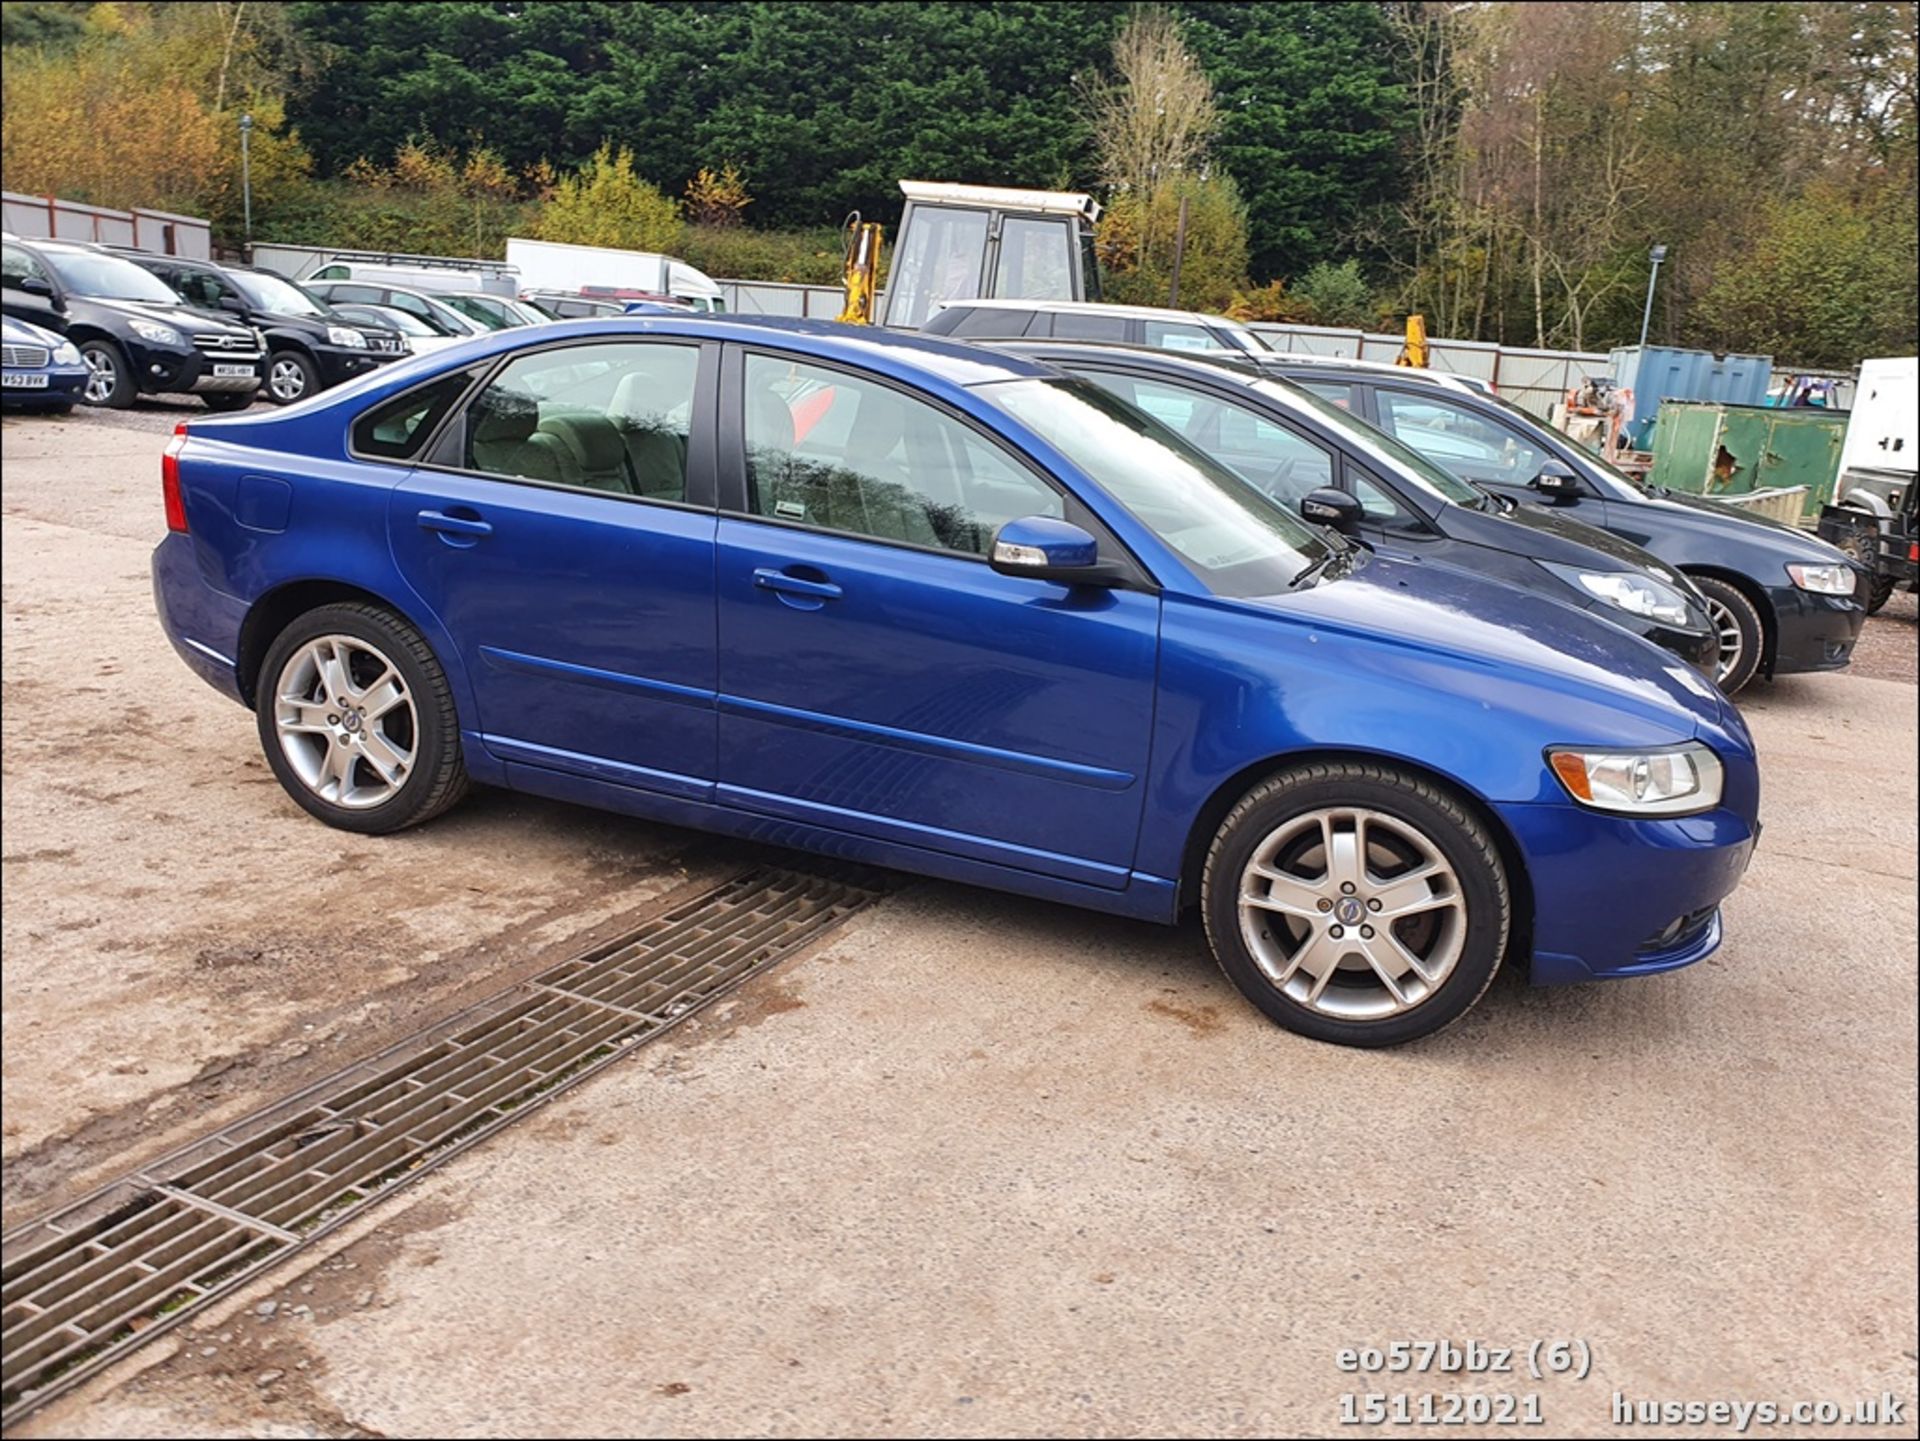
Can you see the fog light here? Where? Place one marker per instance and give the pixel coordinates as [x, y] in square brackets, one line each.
[155, 369]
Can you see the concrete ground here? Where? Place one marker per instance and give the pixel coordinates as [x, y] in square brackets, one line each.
[975, 1165]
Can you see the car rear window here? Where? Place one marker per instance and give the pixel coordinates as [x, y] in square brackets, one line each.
[397, 428]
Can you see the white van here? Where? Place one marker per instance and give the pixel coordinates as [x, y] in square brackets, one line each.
[601, 273]
[316, 265]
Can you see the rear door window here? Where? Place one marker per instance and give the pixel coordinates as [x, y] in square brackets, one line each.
[979, 322]
[1089, 325]
[397, 428]
[1178, 335]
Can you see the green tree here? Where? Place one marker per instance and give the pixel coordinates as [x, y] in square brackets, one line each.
[1138, 234]
[1336, 295]
[605, 203]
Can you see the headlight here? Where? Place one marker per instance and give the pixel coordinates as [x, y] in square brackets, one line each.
[1641, 783]
[158, 334]
[1823, 579]
[67, 353]
[352, 339]
[1628, 590]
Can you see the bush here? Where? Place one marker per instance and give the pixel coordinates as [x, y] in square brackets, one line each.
[1336, 295]
[605, 203]
[801, 257]
[1136, 237]
[717, 200]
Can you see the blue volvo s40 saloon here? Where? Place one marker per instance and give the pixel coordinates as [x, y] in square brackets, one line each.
[954, 612]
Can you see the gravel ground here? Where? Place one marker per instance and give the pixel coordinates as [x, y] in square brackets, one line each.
[976, 1165]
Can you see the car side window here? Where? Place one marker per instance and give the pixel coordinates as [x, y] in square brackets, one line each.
[1378, 504]
[1458, 439]
[1336, 392]
[1274, 460]
[848, 454]
[196, 287]
[17, 264]
[358, 294]
[329, 272]
[1085, 325]
[1172, 335]
[396, 428]
[985, 321]
[611, 417]
[412, 304]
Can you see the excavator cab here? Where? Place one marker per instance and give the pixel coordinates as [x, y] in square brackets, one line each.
[968, 242]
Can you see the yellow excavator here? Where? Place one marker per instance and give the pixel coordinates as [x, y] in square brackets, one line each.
[1414, 352]
[859, 268]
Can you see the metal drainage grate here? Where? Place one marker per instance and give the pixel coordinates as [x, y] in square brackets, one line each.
[85, 1285]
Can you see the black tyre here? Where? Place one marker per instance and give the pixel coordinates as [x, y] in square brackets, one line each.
[109, 377]
[1742, 636]
[1876, 590]
[357, 720]
[223, 400]
[1356, 904]
[291, 376]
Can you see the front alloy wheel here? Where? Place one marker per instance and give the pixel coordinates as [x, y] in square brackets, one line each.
[1356, 903]
[289, 378]
[1737, 626]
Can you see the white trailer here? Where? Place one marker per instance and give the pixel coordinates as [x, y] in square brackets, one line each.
[601, 272]
[1877, 456]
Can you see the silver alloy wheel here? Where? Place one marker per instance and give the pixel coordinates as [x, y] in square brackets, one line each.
[102, 376]
[286, 381]
[346, 721]
[1352, 913]
[1733, 645]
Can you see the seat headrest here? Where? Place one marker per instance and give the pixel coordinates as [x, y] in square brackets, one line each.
[879, 425]
[503, 415]
[592, 440]
[769, 420]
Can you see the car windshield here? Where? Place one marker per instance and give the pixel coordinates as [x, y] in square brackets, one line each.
[393, 319]
[271, 293]
[1251, 339]
[477, 310]
[1401, 462]
[108, 277]
[1624, 486]
[1240, 543]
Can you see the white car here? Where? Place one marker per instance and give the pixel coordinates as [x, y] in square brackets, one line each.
[420, 336]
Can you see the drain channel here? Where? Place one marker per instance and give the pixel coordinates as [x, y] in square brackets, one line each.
[85, 1285]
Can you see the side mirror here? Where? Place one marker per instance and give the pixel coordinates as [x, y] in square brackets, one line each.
[1556, 481]
[1329, 505]
[30, 285]
[233, 303]
[1041, 548]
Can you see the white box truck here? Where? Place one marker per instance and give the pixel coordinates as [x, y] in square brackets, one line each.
[599, 272]
[1877, 456]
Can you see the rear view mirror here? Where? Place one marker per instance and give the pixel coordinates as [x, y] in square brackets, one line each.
[1556, 481]
[1331, 506]
[1041, 548]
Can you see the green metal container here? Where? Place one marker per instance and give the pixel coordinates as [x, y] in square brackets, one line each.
[1705, 448]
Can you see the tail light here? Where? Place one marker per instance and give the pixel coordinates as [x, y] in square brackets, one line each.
[170, 479]
[1913, 551]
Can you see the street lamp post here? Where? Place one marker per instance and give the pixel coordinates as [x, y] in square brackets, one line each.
[1656, 255]
[246, 180]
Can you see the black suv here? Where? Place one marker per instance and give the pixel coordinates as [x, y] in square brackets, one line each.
[136, 336]
[1783, 601]
[309, 348]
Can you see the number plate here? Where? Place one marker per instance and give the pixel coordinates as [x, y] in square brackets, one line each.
[24, 380]
[223, 372]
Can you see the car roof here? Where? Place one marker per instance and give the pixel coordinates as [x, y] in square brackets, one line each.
[1090, 307]
[1275, 358]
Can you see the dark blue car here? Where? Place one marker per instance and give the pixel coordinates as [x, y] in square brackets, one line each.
[43, 371]
[955, 612]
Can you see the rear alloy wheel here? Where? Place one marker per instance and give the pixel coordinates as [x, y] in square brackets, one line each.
[227, 399]
[357, 720]
[1737, 623]
[290, 377]
[1356, 904]
[108, 380]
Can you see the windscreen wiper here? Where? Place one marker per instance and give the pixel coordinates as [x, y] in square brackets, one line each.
[1314, 567]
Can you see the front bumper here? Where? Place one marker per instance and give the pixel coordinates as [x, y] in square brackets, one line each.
[202, 623]
[164, 370]
[65, 386]
[1613, 896]
[1698, 648]
[338, 363]
[1812, 632]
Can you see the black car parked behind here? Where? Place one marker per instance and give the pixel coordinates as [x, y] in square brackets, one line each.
[1782, 600]
[1307, 456]
[309, 347]
[136, 335]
